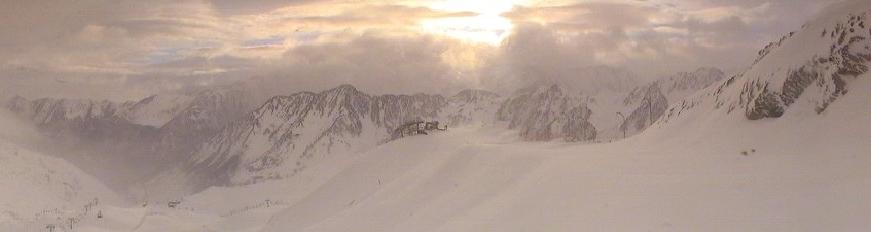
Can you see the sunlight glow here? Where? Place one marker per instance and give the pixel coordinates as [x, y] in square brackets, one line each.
[487, 27]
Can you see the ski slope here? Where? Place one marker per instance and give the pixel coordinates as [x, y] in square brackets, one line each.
[37, 190]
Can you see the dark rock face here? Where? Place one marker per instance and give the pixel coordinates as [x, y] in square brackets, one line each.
[546, 113]
[765, 105]
[848, 58]
[796, 83]
[216, 134]
[652, 106]
[578, 128]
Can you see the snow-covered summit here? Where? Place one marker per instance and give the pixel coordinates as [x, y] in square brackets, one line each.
[803, 73]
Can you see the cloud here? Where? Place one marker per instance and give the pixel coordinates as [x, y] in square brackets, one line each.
[129, 48]
[16, 129]
[373, 62]
[235, 7]
[659, 37]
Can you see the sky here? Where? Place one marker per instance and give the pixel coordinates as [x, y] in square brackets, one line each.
[128, 49]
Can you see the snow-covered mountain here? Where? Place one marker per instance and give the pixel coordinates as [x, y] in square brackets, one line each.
[75, 118]
[91, 134]
[223, 136]
[287, 133]
[681, 85]
[651, 105]
[803, 73]
[207, 113]
[157, 110]
[600, 110]
[649, 102]
[781, 146]
[544, 113]
[145, 136]
[581, 108]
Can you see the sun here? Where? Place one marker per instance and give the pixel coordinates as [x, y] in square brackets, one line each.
[487, 26]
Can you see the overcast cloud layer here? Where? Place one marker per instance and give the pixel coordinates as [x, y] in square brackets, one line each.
[129, 49]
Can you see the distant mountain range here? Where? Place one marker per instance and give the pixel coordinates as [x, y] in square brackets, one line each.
[227, 136]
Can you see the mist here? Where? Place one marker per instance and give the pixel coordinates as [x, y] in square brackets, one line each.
[18, 130]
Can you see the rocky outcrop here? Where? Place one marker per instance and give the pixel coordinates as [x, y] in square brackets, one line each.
[652, 106]
[822, 75]
[545, 113]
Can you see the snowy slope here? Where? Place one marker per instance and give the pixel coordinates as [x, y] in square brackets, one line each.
[807, 70]
[34, 184]
[37, 189]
